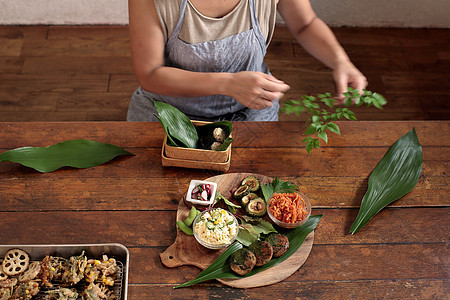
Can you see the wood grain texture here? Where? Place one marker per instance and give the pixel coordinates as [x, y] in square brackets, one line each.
[138, 229]
[408, 66]
[401, 253]
[335, 289]
[355, 134]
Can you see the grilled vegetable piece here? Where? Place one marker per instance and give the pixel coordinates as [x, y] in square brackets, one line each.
[242, 261]
[252, 182]
[241, 191]
[16, 262]
[246, 199]
[279, 242]
[33, 270]
[256, 207]
[263, 251]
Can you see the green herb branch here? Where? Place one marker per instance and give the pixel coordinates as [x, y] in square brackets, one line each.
[323, 112]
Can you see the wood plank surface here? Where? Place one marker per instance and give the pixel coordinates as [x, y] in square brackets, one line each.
[408, 66]
[84, 73]
[94, 226]
[341, 161]
[30, 193]
[344, 289]
[361, 134]
[401, 253]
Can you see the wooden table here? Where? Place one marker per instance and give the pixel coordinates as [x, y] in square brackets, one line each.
[401, 253]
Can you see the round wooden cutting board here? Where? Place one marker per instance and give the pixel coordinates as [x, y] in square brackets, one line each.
[186, 251]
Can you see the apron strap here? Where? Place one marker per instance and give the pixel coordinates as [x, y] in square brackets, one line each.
[256, 27]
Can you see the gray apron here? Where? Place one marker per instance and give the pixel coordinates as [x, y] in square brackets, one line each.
[240, 52]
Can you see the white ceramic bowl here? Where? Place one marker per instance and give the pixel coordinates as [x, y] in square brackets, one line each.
[195, 183]
[290, 225]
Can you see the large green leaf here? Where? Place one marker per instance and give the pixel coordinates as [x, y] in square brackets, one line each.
[179, 129]
[73, 153]
[395, 175]
[220, 267]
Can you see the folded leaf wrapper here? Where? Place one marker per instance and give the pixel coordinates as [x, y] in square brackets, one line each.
[395, 175]
[72, 153]
[181, 132]
[179, 129]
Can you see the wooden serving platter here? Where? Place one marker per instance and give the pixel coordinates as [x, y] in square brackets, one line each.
[187, 251]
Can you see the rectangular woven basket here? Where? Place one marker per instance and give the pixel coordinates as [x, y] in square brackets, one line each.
[195, 158]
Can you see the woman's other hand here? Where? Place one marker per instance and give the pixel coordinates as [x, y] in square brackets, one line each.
[318, 39]
[254, 89]
[347, 75]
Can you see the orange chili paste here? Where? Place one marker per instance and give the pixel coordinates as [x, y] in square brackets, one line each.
[288, 207]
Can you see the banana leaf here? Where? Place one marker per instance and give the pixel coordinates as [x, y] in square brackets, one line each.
[72, 153]
[394, 176]
[220, 268]
[179, 129]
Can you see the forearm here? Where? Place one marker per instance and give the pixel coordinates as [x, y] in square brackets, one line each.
[318, 39]
[181, 83]
[252, 89]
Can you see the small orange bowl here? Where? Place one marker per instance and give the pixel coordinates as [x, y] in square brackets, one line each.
[290, 194]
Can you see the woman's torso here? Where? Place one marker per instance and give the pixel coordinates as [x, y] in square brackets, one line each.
[197, 43]
[199, 27]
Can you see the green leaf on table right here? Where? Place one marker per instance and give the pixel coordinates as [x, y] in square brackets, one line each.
[394, 176]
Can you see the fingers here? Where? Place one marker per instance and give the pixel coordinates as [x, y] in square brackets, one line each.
[345, 78]
[359, 84]
[271, 96]
[270, 89]
[256, 90]
[261, 101]
[272, 84]
[341, 88]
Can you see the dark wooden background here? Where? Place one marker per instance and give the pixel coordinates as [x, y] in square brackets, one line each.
[84, 73]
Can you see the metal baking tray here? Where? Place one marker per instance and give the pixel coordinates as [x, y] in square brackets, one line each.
[117, 251]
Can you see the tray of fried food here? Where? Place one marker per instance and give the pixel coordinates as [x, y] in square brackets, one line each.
[95, 271]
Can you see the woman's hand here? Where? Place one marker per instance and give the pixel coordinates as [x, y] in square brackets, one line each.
[318, 39]
[347, 75]
[254, 89]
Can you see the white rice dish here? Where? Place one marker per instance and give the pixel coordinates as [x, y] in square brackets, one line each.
[216, 227]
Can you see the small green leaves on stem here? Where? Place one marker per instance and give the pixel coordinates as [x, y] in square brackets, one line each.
[321, 119]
